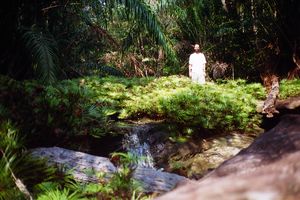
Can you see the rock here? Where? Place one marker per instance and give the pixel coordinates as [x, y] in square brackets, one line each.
[268, 169]
[155, 180]
[84, 167]
[291, 103]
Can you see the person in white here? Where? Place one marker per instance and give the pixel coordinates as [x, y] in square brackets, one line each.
[197, 63]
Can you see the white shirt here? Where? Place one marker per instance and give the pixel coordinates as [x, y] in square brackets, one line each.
[197, 60]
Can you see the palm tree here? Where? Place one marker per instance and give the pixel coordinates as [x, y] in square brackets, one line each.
[41, 40]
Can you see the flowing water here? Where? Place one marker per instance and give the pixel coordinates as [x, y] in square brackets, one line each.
[136, 144]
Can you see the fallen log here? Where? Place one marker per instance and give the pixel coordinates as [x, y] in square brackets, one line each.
[268, 169]
[85, 167]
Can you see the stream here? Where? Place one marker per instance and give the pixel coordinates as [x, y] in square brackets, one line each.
[138, 147]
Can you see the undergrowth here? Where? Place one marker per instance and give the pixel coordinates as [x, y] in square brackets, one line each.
[231, 105]
[88, 106]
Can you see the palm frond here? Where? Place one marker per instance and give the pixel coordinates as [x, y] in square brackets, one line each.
[43, 49]
[143, 12]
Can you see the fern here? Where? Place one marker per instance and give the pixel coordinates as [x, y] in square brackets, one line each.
[57, 194]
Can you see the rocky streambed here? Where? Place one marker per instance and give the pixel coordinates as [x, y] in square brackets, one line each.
[189, 156]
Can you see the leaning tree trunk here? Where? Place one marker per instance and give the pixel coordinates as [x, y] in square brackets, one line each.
[269, 104]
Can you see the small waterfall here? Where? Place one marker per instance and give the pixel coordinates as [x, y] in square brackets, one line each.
[136, 143]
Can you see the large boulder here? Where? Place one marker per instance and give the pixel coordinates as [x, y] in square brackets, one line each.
[268, 169]
[85, 167]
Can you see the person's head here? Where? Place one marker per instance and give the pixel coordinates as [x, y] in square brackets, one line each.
[197, 48]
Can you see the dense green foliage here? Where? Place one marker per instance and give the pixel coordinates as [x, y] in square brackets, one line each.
[51, 40]
[46, 114]
[8, 144]
[86, 106]
[58, 39]
[225, 106]
[89, 106]
[176, 99]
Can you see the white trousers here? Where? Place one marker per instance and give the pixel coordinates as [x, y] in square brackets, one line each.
[198, 77]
